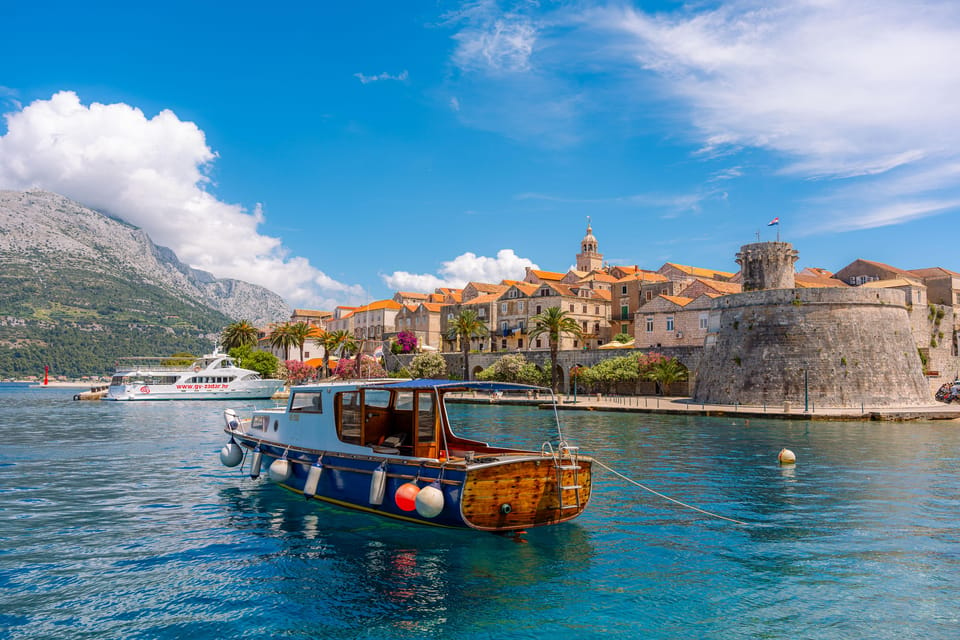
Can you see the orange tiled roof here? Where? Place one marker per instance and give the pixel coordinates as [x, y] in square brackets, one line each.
[433, 307]
[698, 271]
[933, 272]
[677, 300]
[814, 282]
[547, 275]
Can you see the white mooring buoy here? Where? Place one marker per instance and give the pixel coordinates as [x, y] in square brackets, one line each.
[786, 456]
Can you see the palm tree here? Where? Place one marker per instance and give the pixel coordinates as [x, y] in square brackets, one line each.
[300, 332]
[282, 338]
[554, 323]
[238, 334]
[465, 326]
[665, 372]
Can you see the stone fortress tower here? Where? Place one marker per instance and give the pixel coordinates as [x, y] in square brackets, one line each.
[829, 347]
[589, 257]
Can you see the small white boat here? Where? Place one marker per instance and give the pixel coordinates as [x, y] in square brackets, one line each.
[213, 377]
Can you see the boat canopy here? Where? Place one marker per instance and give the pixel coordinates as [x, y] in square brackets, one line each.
[457, 385]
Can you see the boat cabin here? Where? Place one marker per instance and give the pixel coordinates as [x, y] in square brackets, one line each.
[407, 419]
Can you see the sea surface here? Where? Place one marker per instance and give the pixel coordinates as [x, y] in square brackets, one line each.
[118, 521]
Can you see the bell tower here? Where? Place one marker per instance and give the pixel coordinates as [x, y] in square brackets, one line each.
[589, 257]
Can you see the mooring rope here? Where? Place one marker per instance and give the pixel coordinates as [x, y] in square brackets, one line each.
[657, 493]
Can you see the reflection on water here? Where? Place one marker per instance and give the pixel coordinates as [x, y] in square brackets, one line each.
[118, 521]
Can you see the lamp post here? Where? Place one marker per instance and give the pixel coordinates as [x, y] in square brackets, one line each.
[575, 373]
[806, 392]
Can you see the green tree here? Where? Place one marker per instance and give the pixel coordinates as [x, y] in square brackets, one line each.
[238, 334]
[611, 372]
[263, 362]
[428, 364]
[299, 334]
[282, 338]
[554, 323]
[465, 326]
[665, 372]
[622, 338]
[330, 341]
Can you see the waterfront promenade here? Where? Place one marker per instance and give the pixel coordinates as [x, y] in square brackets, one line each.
[683, 405]
[680, 405]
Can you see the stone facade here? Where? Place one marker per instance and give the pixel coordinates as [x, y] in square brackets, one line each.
[767, 265]
[832, 347]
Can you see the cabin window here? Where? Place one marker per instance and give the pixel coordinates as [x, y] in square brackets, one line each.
[426, 418]
[349, 412]
[404, 401]
[259, 423]
[307, 402]
[378, 398]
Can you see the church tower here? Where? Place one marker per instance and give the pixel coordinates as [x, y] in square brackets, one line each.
[589, 258]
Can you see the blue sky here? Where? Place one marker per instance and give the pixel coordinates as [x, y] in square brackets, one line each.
[337, 152]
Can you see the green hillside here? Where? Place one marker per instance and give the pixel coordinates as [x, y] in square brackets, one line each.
[78, 322]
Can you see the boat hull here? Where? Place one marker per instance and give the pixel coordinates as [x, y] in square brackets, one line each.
[499, 494]
[144, 393]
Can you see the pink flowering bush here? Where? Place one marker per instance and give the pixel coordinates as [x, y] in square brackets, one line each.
[298, 372]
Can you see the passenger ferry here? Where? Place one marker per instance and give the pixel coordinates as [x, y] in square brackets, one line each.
[387, 447]
[213, 377]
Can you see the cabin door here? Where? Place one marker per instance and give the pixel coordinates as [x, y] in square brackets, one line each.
[426, 425]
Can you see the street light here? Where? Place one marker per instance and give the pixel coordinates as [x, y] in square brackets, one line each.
[575, 373]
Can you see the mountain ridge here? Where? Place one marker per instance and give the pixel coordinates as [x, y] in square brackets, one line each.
[70, 275]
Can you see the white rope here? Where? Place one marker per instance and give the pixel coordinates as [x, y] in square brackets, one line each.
[657, 493]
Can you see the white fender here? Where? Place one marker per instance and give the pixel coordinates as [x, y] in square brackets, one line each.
[313, 479]
[378, 484]
[231, 455]
[280, 470]
[430, 501]
[255, 463]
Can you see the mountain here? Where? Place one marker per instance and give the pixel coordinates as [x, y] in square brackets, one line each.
[79, 288]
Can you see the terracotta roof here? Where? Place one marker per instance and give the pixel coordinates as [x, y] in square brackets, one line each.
[815, 282]
[413, 295]
[311, 313]
[677, 300]
[817, 272]
[487, 287]
[381, 304]
[720, 287]
[934, 272]
[433, 307]
[889, 268]
[603, 294]
[484, 299]
[698, 271]
[547, 275]
[599, 276]
[893, 283]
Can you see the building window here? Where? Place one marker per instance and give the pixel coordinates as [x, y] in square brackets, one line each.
[649, 324]
[545, 291]
[649, 296]
[596, 310]
[663, 292]
[571, 308]
[539, 343]
[623, 290]
[703, 321]
[503, 343]
[539, 309]
[669, 323]
[583, 309]
[584, 326]
[520, 325]
[520, 307]
[503, 327]
[520, 343]
[623, 328]
[624, 312]
[482, 312]
[512, 294]
[503, 307]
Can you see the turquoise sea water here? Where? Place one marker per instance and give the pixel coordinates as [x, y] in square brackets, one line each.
[117, 521]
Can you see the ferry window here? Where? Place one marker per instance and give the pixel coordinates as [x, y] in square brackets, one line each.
[259, 423]
[307, 402]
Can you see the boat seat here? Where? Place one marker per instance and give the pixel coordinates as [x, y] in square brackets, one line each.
[390, 444]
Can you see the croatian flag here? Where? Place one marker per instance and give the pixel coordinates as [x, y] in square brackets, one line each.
[774, 222]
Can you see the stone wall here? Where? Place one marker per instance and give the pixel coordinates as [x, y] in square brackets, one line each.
[833, 347]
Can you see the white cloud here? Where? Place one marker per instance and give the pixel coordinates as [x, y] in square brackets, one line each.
[364, 79]
[152, 173]
[465, 268]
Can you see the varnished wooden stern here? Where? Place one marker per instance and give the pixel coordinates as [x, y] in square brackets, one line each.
[517, 492]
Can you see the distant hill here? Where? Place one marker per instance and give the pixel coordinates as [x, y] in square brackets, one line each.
[79, 288]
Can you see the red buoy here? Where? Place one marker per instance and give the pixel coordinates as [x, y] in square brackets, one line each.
[406, 496]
